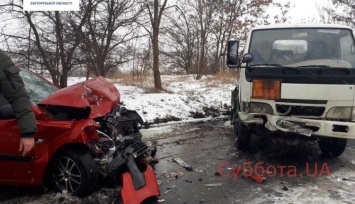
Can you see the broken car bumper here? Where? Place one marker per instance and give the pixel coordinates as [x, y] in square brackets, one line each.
[132, 195]
[304, 126]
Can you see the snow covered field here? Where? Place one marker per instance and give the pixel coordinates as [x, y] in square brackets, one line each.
[185, 98]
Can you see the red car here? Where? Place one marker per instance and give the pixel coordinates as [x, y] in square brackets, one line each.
[81, 133]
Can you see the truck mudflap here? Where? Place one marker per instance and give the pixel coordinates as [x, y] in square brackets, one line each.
[131, 194]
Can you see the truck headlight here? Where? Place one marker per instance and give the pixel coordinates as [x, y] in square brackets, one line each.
[344, 113]
[255, 107]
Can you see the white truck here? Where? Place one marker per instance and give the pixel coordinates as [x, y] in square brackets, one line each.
[298, 80]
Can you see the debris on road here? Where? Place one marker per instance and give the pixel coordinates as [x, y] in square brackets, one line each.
[258, 179]
[347, 179]
[284, 188]
[213, 184]
[160, 200]
[200, 170]
[172, 175]
[182, 163]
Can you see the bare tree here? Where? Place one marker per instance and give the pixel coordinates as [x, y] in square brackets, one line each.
[155, 19]
[323, 14]
[142, 62]
[205, 11]
[58, 35]
[15, 41]
[342, 11]
[55, 35]
[66, 38]
[98, 38]
[199, 30]
[110, 26]
[180, 39]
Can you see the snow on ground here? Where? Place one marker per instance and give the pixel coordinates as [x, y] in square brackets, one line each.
[185, 99]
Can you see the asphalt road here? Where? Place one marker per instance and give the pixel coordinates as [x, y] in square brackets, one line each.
[293, 173]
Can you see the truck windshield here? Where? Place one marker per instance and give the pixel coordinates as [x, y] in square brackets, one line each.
[306, 47]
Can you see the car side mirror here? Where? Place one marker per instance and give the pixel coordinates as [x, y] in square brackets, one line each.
[232, 53]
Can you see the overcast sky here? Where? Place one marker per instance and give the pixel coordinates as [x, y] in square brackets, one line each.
[302, 11]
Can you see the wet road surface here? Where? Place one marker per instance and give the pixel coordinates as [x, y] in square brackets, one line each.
[294, 174]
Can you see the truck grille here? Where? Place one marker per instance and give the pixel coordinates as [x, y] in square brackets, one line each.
[288, 110]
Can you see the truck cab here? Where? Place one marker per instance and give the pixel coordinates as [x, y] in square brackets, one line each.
[298, 80]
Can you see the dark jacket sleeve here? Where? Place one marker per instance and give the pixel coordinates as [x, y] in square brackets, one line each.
[12, 88]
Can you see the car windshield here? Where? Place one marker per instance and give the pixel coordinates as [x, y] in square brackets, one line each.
[306, 47]
[37, 87]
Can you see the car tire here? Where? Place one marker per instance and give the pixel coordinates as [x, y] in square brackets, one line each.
[243, 134]
[332, 147]
[74, 172]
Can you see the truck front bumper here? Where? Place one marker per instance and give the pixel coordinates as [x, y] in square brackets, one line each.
[308, 127]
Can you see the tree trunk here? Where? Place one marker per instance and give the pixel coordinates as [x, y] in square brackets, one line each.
[155, 41]
[156, 71]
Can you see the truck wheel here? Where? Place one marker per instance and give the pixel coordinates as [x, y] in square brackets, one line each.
[243, 135]
[75, 172]
[332, 147]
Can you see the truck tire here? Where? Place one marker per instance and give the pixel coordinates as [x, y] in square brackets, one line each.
[243, 134]
[332, 147]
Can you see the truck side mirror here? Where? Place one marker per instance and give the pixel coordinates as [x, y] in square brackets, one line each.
[247, 58]
[232, 53]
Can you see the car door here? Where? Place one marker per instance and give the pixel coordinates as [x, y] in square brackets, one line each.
[14, 168]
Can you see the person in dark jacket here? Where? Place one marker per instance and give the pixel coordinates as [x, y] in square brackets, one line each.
[13, 90]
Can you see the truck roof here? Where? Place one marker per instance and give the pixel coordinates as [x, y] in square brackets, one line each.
[300, 26]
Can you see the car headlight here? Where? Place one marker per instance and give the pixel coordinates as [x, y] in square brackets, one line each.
[260, 108]
[345, 113]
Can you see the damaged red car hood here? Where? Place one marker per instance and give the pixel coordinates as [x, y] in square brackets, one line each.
[97, 93]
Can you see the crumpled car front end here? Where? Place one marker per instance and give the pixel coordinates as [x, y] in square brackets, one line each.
[84, 131]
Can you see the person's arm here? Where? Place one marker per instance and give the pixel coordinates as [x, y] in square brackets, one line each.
[13, 90]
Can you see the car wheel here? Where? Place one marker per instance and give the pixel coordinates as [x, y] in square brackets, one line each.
[74, 172]
[243, 134]
[332, 147]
